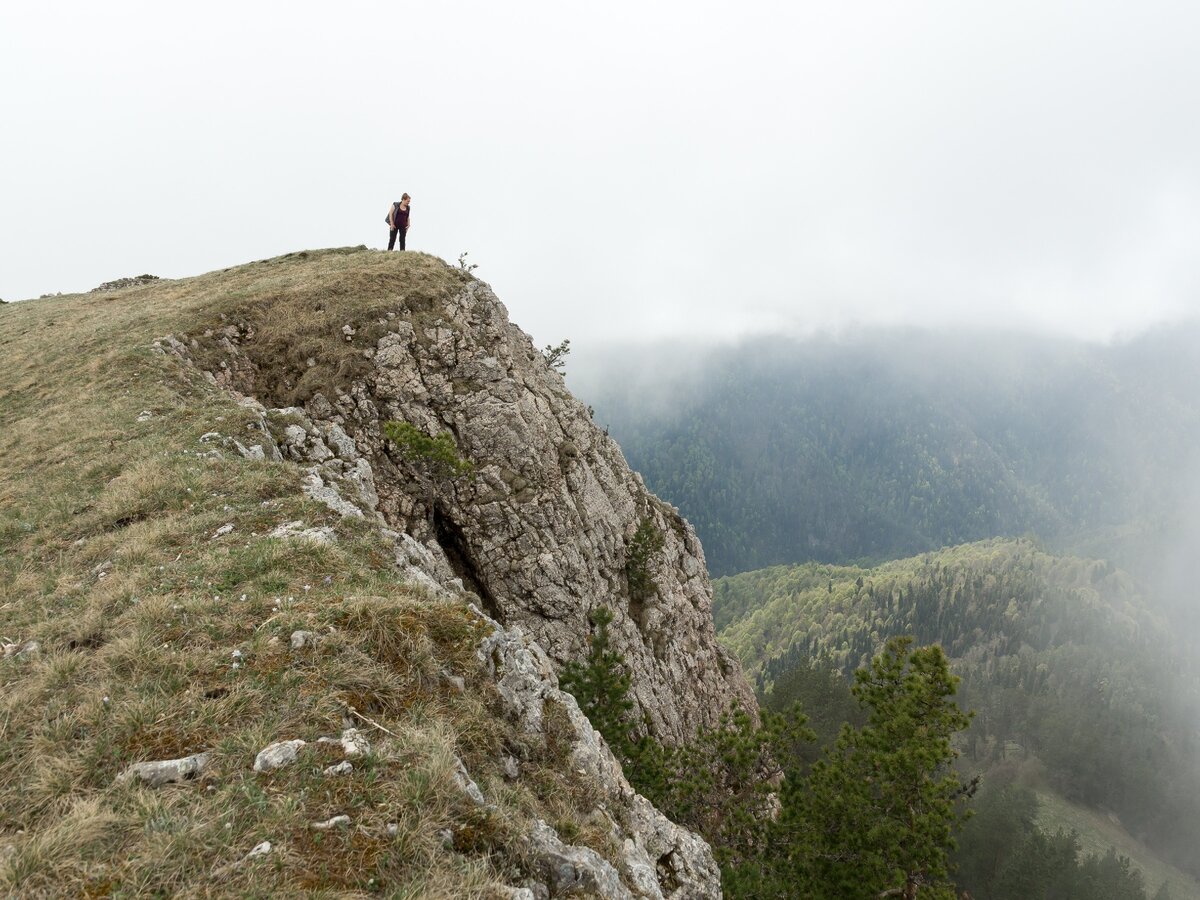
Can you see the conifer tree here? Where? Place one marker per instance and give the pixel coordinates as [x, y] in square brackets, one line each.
[876, 815]
[602, 689]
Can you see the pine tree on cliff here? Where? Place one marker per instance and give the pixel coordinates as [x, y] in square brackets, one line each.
[602, 689]
[876, 816]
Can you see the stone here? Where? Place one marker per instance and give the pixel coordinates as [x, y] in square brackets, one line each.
[119, 283]
[316, 488]
[512, 768]
[341, 443]
[259, 850]
[345, 767]
[294, 436]
[166, 771]
[329, 824]
[296, 530]
[570, 869]
[355, 743]
[302, 639]
[145, 415]
[222, 531]
[210, 436]
[277, 755]
[254, 451]
[466, 784]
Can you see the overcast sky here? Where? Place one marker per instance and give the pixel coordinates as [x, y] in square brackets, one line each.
[620, 169]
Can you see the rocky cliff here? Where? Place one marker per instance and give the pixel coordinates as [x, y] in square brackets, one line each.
[542, 532]
[246, 652]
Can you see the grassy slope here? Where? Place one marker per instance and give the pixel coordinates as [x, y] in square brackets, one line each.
[108, 560]
[1097, 833]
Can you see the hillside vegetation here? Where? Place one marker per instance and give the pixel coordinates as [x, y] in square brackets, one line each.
[1065, 667]
[150, 608]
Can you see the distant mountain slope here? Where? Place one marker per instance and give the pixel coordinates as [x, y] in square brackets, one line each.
[883, 444]
[1059, 656]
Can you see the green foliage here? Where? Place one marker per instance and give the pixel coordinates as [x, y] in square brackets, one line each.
[721, 784]
[556, 356]
[1002, 855]
[645, 543]
[464, 265]
[878, 811]
[1059, 656]
[602, 689]
[435, 460]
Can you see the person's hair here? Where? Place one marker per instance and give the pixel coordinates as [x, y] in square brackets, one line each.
[405, 197]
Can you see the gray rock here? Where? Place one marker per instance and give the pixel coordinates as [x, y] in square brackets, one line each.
[277, 755]
[294, 436]
[512, 768]
[254, 451]
[466, 784]
[355, 743]
[222, 531]
[526, 684]
[329, 824]
[166, 771]
[571, 869]
[315, 487]
[296, 530]
[259, 850]
[343, 768]
[342, 443]
[302, 639]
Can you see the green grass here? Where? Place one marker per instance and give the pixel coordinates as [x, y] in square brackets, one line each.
[1097, 832]
[108, 560]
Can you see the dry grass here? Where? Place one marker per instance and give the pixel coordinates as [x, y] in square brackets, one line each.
[108, 561]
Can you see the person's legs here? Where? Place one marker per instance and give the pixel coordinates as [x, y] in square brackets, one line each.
[402, 233]
[392, 239]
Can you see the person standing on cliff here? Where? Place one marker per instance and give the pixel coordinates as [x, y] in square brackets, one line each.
[397, 219]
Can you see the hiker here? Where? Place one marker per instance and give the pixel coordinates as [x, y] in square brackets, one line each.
[397, 219]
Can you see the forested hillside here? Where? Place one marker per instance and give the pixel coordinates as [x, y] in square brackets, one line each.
[1066, 667]
[885, 444]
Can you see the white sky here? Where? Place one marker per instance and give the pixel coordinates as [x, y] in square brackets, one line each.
[627, 169]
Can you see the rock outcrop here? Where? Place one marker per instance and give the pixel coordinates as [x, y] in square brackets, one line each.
[541, 533]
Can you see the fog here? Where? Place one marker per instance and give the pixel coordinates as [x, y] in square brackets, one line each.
[628, 170]
[1068, 418]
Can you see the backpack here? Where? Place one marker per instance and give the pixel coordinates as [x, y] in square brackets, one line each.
[388, 218]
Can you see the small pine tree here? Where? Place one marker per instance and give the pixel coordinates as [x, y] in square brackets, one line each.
[602, 689]
[645, 543]
[434, 460]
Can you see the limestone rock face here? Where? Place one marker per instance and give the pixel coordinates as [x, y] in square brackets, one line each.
[541, 532]
[658, 859]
